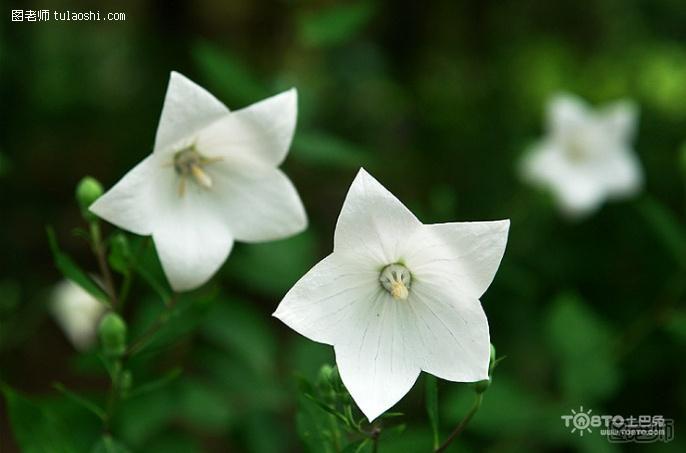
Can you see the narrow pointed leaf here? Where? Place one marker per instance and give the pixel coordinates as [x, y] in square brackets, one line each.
[72, 271]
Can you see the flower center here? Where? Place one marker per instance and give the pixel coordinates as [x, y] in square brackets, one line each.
[396, 279]
[189, 163]
[576, 151]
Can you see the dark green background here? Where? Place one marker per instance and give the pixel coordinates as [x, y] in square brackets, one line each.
[438, 100]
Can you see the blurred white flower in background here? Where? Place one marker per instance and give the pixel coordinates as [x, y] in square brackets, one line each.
[212, 178]
[396, 297]
[77, 313]
[586, 156]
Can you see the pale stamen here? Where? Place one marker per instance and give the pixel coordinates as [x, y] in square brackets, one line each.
[396, 279]
[189, 163]
[201, 177]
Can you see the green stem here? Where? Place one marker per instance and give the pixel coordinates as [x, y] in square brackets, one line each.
[113, 396]
[336, 433]
[376, 432]
[463, 424]
[100, 254]
[125, 287]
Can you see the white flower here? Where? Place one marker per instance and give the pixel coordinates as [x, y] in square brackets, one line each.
[586, 155]
[212, 178]
[396, 297]
[77, 312]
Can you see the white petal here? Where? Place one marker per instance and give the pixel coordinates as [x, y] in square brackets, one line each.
[187, 109]
[579, 193]
[465, 252]
[77, 312]
[377, 362]
[620, 119]
[130, 204]
[258, 203]
[259, 133]
[373, 223]
[452, 330]
[191, 238]
[566, 113]
[575, 186]
[321, 304]
[621, 173]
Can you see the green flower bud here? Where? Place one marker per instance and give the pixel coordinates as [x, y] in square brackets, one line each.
[120, 243]
[112, 332]
[328, 376]
[120, 253]
[482, 386]
[87, 191]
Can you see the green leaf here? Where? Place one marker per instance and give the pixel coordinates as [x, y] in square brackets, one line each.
[168, 326]
[334, 25]
[666, 227]
[140, 419]
[415, 439]
[319, 148]
[176, 441]
[581, 342]
[327, 408]
[280, 264]
[317, 433]
[432, 407]
[204, 405]
[159, 288]
[72, 271]
[108, 445]
[155, 384]
[226, 74]
[242, 331]
[36, 429]
[359, 446]
[81, 401]
[146, 264]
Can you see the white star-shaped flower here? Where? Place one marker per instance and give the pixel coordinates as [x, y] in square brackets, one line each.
[212, 178]
[77, 312]
[396, 297]
[586, 155]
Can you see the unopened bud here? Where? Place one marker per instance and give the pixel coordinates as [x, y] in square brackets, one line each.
[120, 253]
[87, 191]
[327, 375]
[112, 332]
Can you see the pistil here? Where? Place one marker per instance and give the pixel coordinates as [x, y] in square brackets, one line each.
[396, 279]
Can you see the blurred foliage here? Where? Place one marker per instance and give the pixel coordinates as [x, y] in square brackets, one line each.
[438, 100]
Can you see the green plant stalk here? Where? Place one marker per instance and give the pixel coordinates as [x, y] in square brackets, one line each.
[113, 396]
[463, 424]
[99, 250]
[431, 391]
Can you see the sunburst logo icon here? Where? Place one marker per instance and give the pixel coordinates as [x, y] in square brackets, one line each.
[579, 421]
